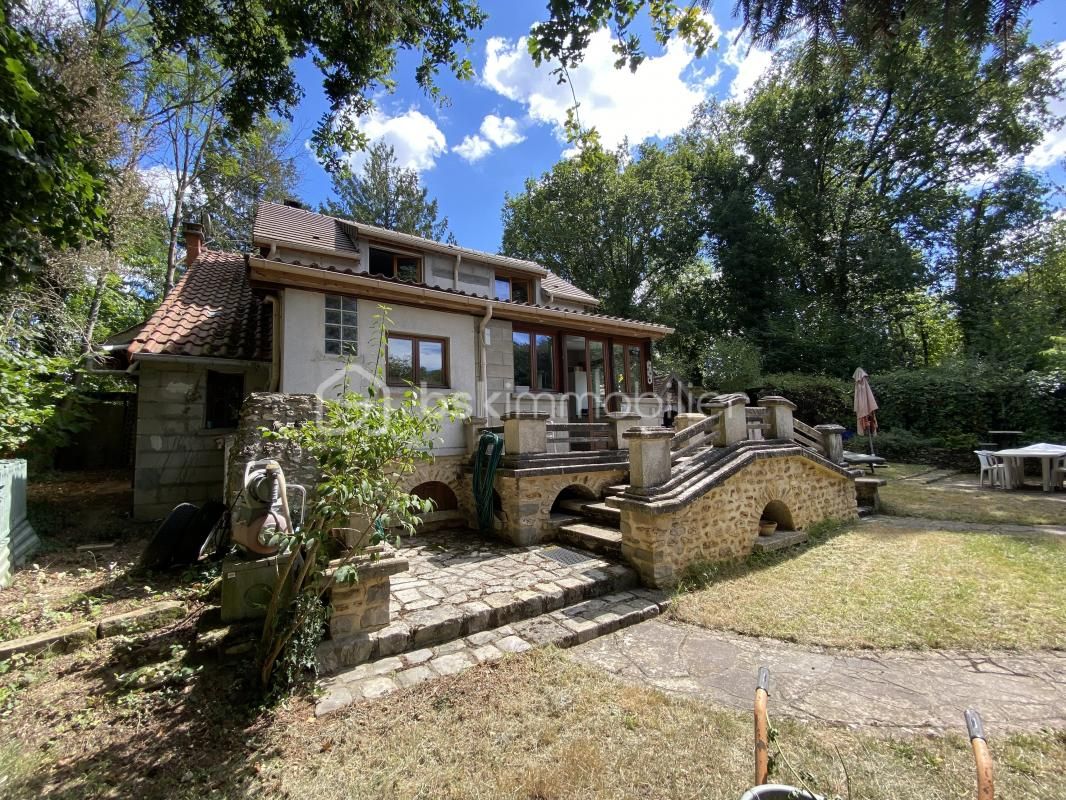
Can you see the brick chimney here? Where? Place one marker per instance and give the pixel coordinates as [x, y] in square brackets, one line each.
[194, 241]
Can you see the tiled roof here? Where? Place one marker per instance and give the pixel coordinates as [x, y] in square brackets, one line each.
[503, 303]
[560, 287]
[211, 312]
[299, 227]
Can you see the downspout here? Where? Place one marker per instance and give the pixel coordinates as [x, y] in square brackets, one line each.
[455, 271]
[483, 387]
[275, 342]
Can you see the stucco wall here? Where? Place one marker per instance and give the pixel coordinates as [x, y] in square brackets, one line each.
[724, 523]
[178, 460]
[307, 369]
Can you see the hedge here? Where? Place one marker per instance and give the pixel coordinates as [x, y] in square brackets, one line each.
[937, 415]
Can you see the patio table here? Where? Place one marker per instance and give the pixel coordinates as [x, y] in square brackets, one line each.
[1014, 461]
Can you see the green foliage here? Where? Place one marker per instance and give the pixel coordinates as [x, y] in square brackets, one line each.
[819, 399]
[36, 402]
[53, 185]
[618, 227]
[385, 194]
[732, 364]
[364, 446]
[238, 172]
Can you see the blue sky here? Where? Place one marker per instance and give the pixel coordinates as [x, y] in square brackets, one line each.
[505, 125]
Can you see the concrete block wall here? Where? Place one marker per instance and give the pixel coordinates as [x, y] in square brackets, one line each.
[178, 460]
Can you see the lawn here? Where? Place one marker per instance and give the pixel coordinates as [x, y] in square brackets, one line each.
[875, 585]
[959, 498]
[532, 727]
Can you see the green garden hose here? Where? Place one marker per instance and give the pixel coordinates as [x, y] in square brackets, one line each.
[486, 460]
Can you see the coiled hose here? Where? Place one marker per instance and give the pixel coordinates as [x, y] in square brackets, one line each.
[486, 460]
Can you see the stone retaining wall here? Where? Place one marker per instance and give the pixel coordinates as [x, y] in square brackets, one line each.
[723, 524]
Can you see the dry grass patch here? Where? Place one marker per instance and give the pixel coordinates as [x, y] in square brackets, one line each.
[535, 727]
[880, 586]
[962, 500]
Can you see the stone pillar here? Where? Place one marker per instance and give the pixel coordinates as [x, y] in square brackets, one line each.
[525, 432]
[649, 456]
[779, 416]
[472, 432]
[832, 441]
[682, 421]
[733, 427]
[620, 422]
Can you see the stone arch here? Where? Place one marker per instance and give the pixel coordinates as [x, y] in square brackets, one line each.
[444, 499]
[778, 512]
[573, 491]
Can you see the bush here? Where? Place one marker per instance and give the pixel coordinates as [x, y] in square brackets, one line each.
[904, 446]
[820, 399]
[949, 408]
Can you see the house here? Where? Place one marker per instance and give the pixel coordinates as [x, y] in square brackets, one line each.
[297, 315]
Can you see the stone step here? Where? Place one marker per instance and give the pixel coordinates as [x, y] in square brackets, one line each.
[594, 538]
[779, 540]
[444, 623]
[575, 624]
[613, 491]
[597, 511]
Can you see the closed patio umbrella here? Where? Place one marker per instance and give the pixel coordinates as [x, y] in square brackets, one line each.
[865, 406]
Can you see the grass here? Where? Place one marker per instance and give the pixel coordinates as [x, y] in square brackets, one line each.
[958, 498]
[881, 586]
[528, 728]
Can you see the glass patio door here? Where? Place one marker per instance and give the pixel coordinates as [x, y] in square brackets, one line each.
[586, 377]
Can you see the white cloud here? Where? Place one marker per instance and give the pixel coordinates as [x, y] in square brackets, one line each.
[751, 63]
[417, 140]
[496, 132]
[1053, 148]
[473, 148]
[656, 100]
[501, 131]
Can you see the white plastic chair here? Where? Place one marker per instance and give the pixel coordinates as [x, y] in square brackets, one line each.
[993, 466]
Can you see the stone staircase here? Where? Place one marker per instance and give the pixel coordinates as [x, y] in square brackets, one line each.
[595, 527]
[581, 595]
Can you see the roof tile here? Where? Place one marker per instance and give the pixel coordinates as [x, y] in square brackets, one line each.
[211, 312]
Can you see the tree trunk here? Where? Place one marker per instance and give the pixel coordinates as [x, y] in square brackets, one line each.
[94, 310]
[172, 246]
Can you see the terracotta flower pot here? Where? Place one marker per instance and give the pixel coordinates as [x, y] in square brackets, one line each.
[766, 527]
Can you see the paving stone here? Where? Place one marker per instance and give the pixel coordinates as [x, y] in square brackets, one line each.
[390, 664]
[408, 595]
[486, 653]
[435, 625]
[450, 647]
[413, 676]
[339, 697]
[452, 663]
[482, 637]
[513, 644]
[417, 657]
[372, 688]
[417, 605]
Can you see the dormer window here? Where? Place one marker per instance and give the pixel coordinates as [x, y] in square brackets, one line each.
[395, 265]
[517, 289]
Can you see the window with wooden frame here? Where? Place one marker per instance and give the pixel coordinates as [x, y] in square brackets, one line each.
[389, 264]
[520, 290]
[627, 367]
[534, 359]
[342, 335]
[418, 360]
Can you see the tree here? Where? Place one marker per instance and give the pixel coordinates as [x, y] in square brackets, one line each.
[385, 194]
[613, 225]
[54, 188]
[238, 172]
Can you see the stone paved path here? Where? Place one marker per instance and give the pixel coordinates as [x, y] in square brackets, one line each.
[895, 690]
[922, 523]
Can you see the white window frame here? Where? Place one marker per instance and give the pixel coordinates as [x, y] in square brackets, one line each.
[344, 311]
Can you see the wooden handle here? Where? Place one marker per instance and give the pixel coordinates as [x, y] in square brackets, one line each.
[762, 727]
[981, 755]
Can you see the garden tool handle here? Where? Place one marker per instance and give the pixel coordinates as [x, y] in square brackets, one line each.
[983, 759]
[762, 727]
